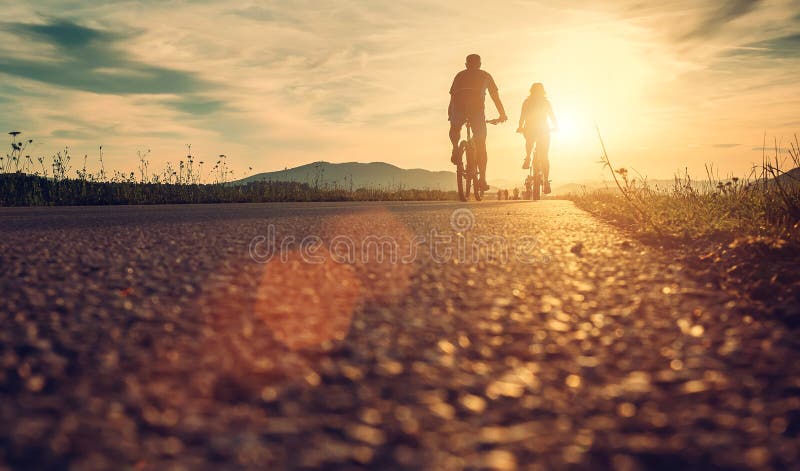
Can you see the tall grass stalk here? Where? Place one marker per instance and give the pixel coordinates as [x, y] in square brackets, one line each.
[764, 203]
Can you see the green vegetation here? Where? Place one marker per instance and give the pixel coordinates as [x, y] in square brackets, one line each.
[28, 182]
[764, 204]
[738, 235]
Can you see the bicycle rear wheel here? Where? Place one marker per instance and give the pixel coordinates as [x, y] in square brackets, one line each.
[472, 177]
[537, 178]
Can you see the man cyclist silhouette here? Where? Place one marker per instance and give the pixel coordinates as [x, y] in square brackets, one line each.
[467, 96]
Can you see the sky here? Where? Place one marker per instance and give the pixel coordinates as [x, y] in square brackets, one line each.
[671, 85]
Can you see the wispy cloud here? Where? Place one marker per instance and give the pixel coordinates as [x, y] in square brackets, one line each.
[787, 46]
[194, 105]
[770, 149]
[91, 60]
[720, 15]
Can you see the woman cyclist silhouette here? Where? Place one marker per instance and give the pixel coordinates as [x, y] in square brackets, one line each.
[533, 124]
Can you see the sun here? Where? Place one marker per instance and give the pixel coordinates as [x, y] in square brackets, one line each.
[566, 125]
[573, 124]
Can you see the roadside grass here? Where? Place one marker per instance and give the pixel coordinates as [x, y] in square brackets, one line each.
[765, 203]
[25, 181]
[738, 235]
[686, 211]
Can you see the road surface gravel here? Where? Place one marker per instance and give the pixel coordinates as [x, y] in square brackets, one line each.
[271, 336]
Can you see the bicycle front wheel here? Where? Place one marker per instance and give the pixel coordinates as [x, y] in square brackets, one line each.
[472, 171]
[476, 182]
[462, 176]
[537, 186]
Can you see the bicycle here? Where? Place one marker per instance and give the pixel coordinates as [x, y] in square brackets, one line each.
[534, 180]
[468, 176]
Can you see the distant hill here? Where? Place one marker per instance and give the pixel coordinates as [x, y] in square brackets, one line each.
[578, 188]
[790, 178]
[383, 175]
[361, 175]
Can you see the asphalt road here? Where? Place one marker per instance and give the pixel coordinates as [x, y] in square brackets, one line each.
[507, 335]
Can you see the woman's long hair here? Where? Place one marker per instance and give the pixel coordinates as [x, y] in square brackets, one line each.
[537, 92]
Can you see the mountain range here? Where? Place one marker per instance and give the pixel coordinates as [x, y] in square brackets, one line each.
[361, 175]
[376, 175]
[354, 175]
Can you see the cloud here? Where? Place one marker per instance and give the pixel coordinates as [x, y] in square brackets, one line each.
[778, 47]
[76, 127]
[267, 14]
[725, 146]
[72, 134]
[770, 149]
[195, 105]
[92, 60]
[410, 110]
[724, 14]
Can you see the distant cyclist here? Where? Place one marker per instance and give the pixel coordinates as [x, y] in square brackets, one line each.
[467, 95]
[534, 125]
